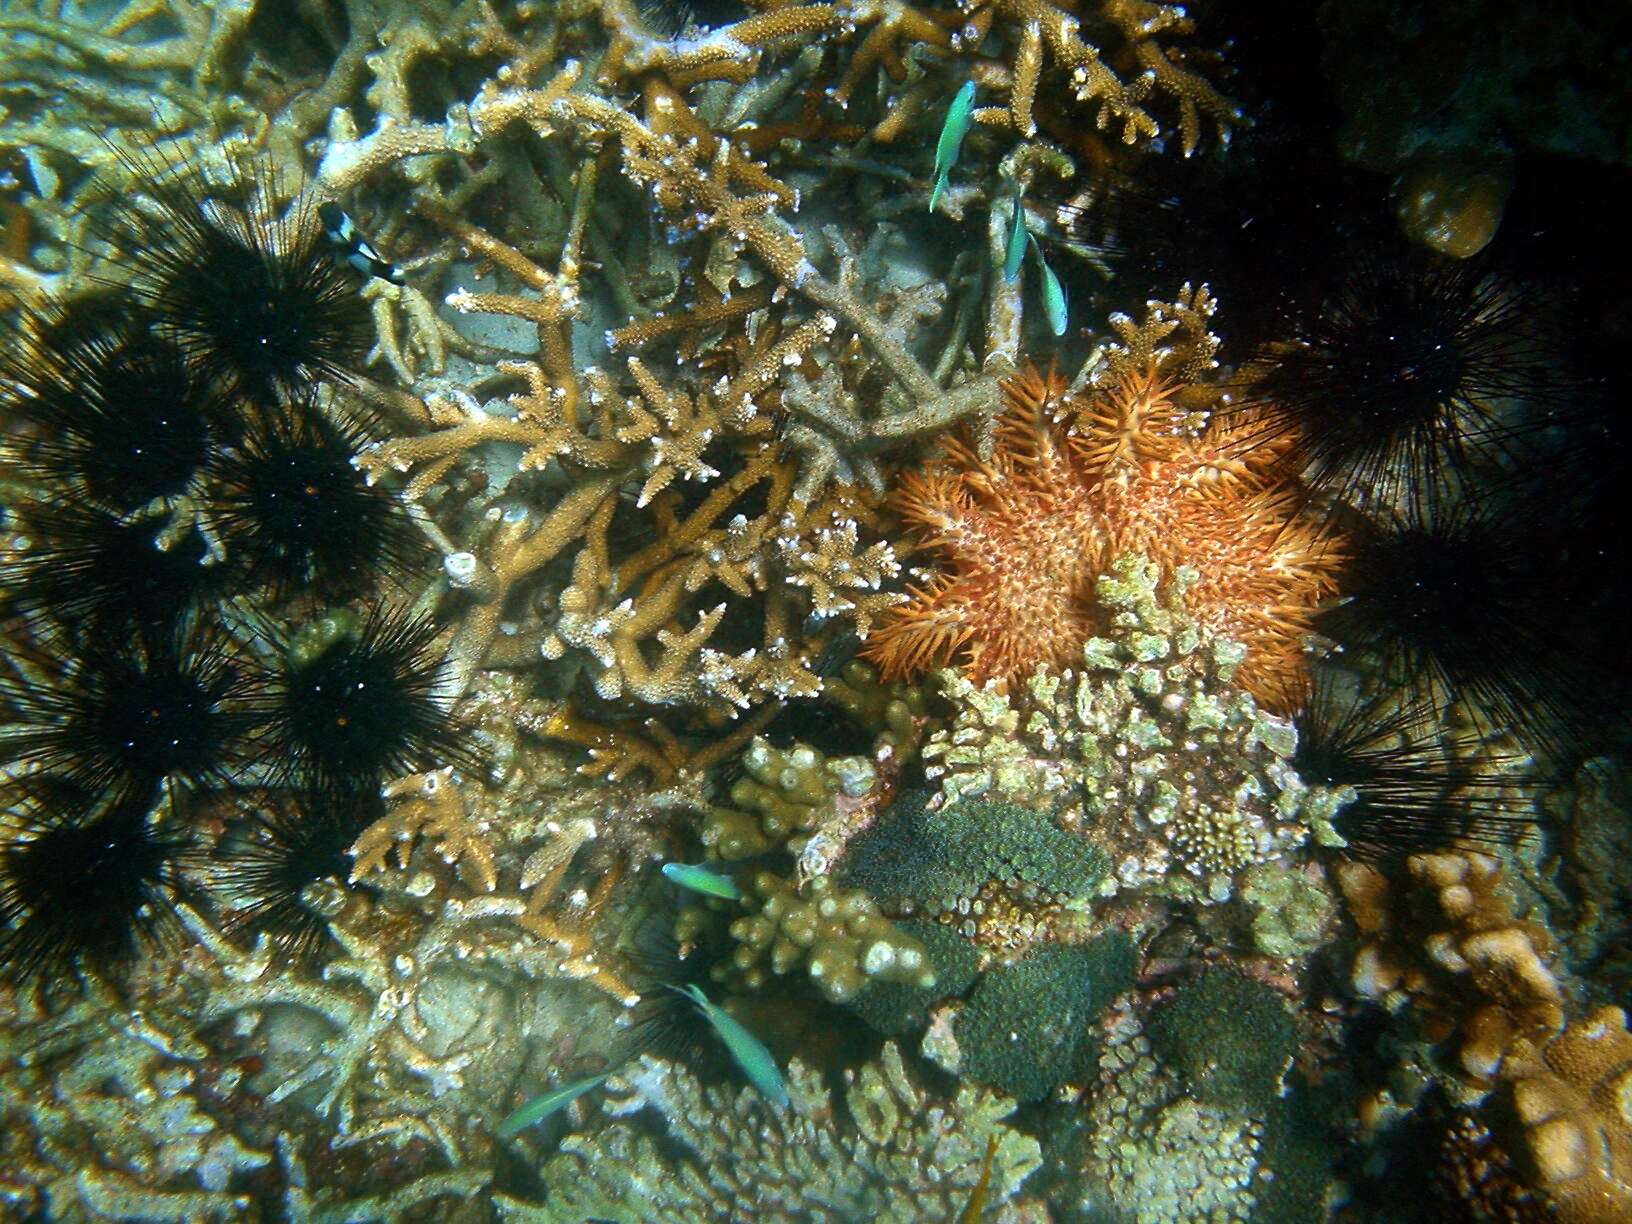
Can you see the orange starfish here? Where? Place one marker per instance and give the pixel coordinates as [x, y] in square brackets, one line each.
[1072, 484]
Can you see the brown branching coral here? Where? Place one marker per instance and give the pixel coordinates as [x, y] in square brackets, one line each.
[1115, 79]
[427, 805]
[640, 617]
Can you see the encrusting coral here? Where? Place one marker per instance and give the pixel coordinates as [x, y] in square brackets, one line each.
[1151, 1152]
[893, 1152]
[1149, 748]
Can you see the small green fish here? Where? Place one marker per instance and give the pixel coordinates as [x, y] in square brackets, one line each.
[748, 1051]
[1015, 250]
[956, 127]
[544, 1105]
[702, 880]
[977, 1197]
[1053, 294]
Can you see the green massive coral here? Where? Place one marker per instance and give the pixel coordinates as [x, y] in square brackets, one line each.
[939, 862]
[677, 1152]
[1029, 1027]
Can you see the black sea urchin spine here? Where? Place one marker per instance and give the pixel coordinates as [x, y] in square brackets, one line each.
[296, 516]
[1460, 603]
[354, 700]
[120, 719]
[252, 294]
[81, 887]
[291, 843]
[1416, 789]
[1408, 387]
[96, 574]
[123, 417]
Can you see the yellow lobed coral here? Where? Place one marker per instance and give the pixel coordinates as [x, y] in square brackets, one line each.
[1449, 943]
[1573, 1096]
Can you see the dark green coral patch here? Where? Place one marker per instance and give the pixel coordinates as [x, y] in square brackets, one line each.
[893, 1008]
[931, 860]
[1231, 1038]
[1029, 1027]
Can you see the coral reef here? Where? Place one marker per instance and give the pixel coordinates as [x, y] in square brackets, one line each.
[1448, 944]
[146, 1129]
[1153, 752]
[1029, 1026]
[1293, 909]
[837, 934]
[894, 1008]
[642, 392]
[1573, 1097]
[807, 805]
[1476, 1177]
[903, 1154]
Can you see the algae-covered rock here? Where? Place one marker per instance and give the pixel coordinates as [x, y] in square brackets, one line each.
[1291, 912]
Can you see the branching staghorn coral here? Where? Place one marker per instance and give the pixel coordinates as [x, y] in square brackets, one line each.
[893, 1152]
[1115, 79]
[117, 1113]
[537, 844]
[803, 536]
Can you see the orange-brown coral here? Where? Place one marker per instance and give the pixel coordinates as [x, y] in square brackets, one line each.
[1573, 1096]
[1074, 481]
[1450, 944]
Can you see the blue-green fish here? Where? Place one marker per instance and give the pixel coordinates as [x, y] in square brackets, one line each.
[956, 127]
[702, 880]
[544, 1105]
[1053, 294]
[1015, 250]
[749, 1051]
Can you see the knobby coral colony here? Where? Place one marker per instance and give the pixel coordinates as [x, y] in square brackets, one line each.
[439, 471]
